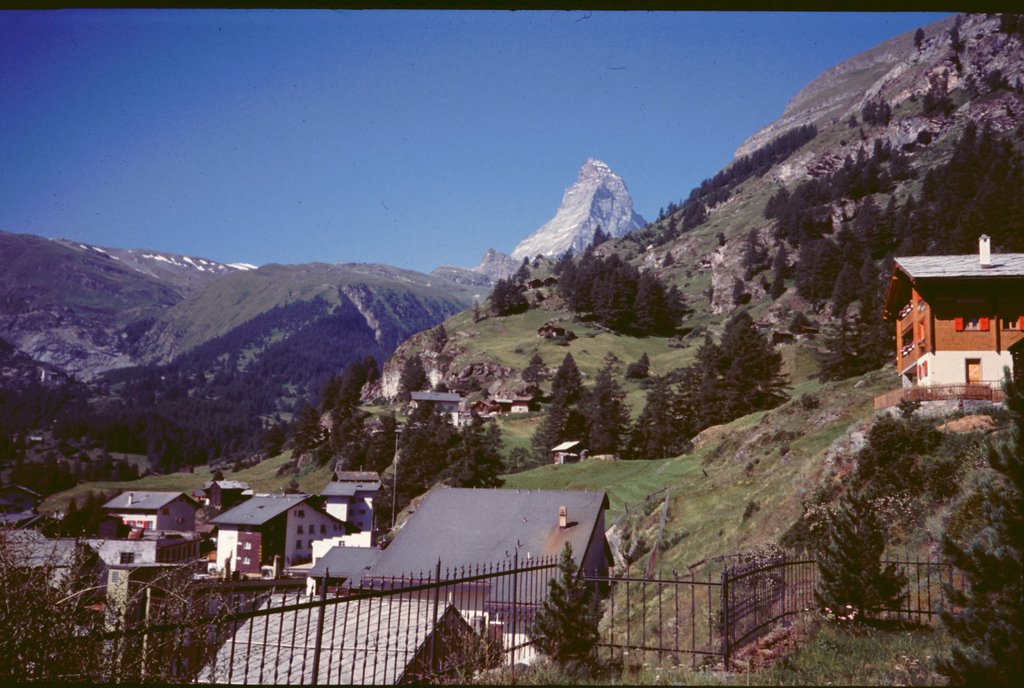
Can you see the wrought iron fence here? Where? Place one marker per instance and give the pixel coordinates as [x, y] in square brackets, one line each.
[451, 624]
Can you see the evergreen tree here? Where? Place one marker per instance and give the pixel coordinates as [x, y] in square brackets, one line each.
[780, 268]
[605, 412]
[918, 38]
[567, 385]
[565, 626]
[476, 460]
[852, 582]
[661, 430]
[749, 368]
[988, 628]
[307, 433]
[413, 378]
[640, 369]
[533, 373]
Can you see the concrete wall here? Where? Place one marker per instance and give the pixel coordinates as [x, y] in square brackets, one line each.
[314, 526]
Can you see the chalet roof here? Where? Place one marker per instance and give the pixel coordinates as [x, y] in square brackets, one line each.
[31, 549]
[436, 396]
[137, 500]
[909, 272]
[962, 267]
[345, 562]
[13, 487]
[347, 489]
[465, 527]
[260, 509]
[384, 647]
[226, 484]
[565, 446]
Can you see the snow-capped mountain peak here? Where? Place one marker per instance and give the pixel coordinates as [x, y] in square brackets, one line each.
[598, 198]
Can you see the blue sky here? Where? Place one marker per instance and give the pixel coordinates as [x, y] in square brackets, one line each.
[408, 138]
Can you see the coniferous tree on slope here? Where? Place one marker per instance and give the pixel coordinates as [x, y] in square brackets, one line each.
[851, 579]
[986, 620]
[565, 627]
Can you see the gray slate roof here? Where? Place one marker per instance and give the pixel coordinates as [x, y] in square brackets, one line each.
[466, 527]
[259, 509]
[436, 396]
[346, 489]
[143, 501]
[365, 642]
[227, 485]
[31, 549]
[963, 267]
[346, 562]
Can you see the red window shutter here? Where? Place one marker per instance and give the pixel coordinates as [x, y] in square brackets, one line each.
[1020, 323]
[983, 324]
[958, 323]
[924, 369]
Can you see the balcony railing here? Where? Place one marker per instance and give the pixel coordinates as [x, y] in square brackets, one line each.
[975, 391]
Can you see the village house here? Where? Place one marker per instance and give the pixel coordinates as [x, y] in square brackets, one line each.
[252, 534]
[377, 641]
[466, 527]
[444, 402]
[154, 510]
[959, 320]
[224, 494]
[15, 498]
[568, 452]
[550, 331]
[352, 501]
[145, 547]
[18, 506]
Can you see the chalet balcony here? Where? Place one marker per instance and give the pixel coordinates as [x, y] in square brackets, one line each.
[974, 391]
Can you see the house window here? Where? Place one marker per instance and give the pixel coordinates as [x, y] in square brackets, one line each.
[246, 560]
[299, 529]
[248, 545]
[298, 544]
[115, 576]
[179, 520]
[127, 557]
[1013, 323]
[300, 513]
[976, 324]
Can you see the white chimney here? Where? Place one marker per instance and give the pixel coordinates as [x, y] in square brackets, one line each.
[985, 250]
[563, 517]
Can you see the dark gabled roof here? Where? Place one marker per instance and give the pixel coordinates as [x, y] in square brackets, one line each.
[259, 509]
[347, 489]
[21, 488]
[345, 562]
[144, 501]
[466, 527]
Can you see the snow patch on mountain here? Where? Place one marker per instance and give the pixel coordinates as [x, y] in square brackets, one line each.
[598, 198]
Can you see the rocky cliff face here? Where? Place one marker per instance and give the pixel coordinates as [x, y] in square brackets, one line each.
[598, 198]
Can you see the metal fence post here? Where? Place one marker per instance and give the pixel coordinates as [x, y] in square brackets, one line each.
[433, 628]
[725, 618]
[317, 644]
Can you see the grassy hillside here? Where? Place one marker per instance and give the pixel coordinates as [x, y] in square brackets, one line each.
[261, 478]
[773, 459]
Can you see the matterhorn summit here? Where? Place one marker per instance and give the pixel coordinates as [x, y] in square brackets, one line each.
[598, 198]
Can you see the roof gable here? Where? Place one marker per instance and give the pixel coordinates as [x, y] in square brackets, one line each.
[259, 509]
[464, 526]
[138, 500]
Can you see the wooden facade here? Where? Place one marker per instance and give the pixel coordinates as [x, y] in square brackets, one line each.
[958, 321]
